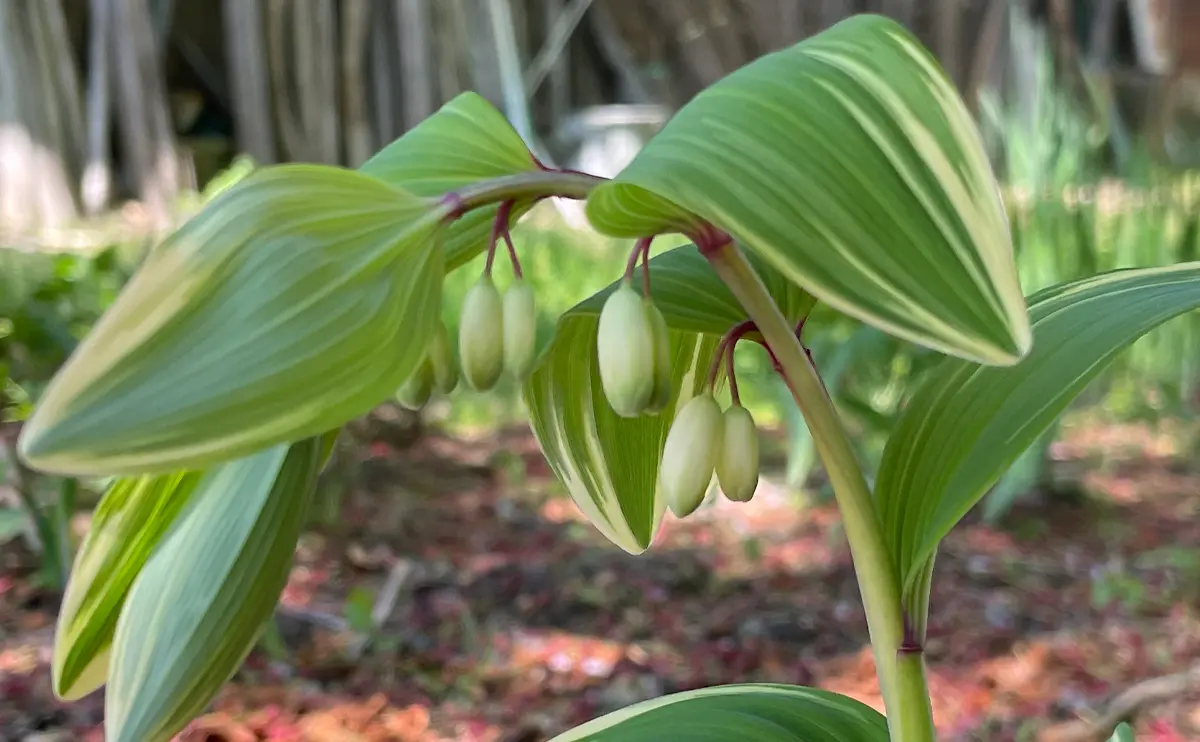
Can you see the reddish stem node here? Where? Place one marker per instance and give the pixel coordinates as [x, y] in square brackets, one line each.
[456, 205]
[709, 239]
[908, 647]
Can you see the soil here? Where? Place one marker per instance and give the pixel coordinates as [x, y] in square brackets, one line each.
[516, 620]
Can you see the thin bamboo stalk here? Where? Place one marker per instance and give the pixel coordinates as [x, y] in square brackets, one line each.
[558, 96]
[55, 28]
[356, 19]
[452, 67]
[287, 118]
[382, 75]
[16, 145]
[693, 40]
[634, 87]
[96, 185]
[47, 114]
[145, 124]
[325, 102]
[561, 24]
[949, 37]
[508, 59]
[413, 30]
[476, 30]
[247, 60]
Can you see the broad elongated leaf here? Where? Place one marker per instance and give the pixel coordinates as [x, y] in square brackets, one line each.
[127, 525]
[967, 423]
[199, 604]
[724, 713]
[1123, 733]
[609, 464]
[296, 300]
[467, 140]
[848, 162]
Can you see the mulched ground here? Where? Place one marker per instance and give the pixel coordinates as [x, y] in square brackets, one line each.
[517, 620]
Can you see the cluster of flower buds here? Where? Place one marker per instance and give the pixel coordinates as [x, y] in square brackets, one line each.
[495, 334]
[634, 356]
[438, 371]
[703, 439]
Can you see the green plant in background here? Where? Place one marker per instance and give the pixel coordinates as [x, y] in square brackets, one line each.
[47, 301]
[843, 172]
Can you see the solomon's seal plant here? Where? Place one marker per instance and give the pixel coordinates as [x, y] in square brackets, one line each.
[844, 169]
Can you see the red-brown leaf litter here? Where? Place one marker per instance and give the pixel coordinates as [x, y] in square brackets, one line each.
[515, 620]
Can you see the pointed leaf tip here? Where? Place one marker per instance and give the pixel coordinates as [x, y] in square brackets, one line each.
[967, 423]
[295, 301]
[465, 141]
[128, 524]
[849, 162]
[202, 599]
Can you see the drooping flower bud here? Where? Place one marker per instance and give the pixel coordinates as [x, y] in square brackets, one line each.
[414, 393]
[691, 452]
[520, 329]
[662, 359]
[481, 335]
[441, 355]
[625, 352]
[737, 465]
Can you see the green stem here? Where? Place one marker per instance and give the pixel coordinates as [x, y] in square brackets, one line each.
[524, 186]
[877, 577]
[912, 695]
[67, 491]
[23, 483]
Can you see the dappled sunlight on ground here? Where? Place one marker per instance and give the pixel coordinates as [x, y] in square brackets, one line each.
[514, 619]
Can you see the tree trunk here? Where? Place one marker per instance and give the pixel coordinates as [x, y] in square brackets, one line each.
[413, 32]
[279, 41]
[145, 122]
[383, 75]
[356, 24]
[476, 30]
[96, 186]
[52, 111]
[949, 38]
[247, 59]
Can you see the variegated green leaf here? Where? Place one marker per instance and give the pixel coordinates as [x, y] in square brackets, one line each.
[1123, 733]
[608, 463]
[761, 712]
[133, 516]
[126, 526]
[295, 301]
[967, 423]
[849, 162]
[465, 141]
[200, 603]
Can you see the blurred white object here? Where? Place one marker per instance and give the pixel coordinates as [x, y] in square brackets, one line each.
[602, 140]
